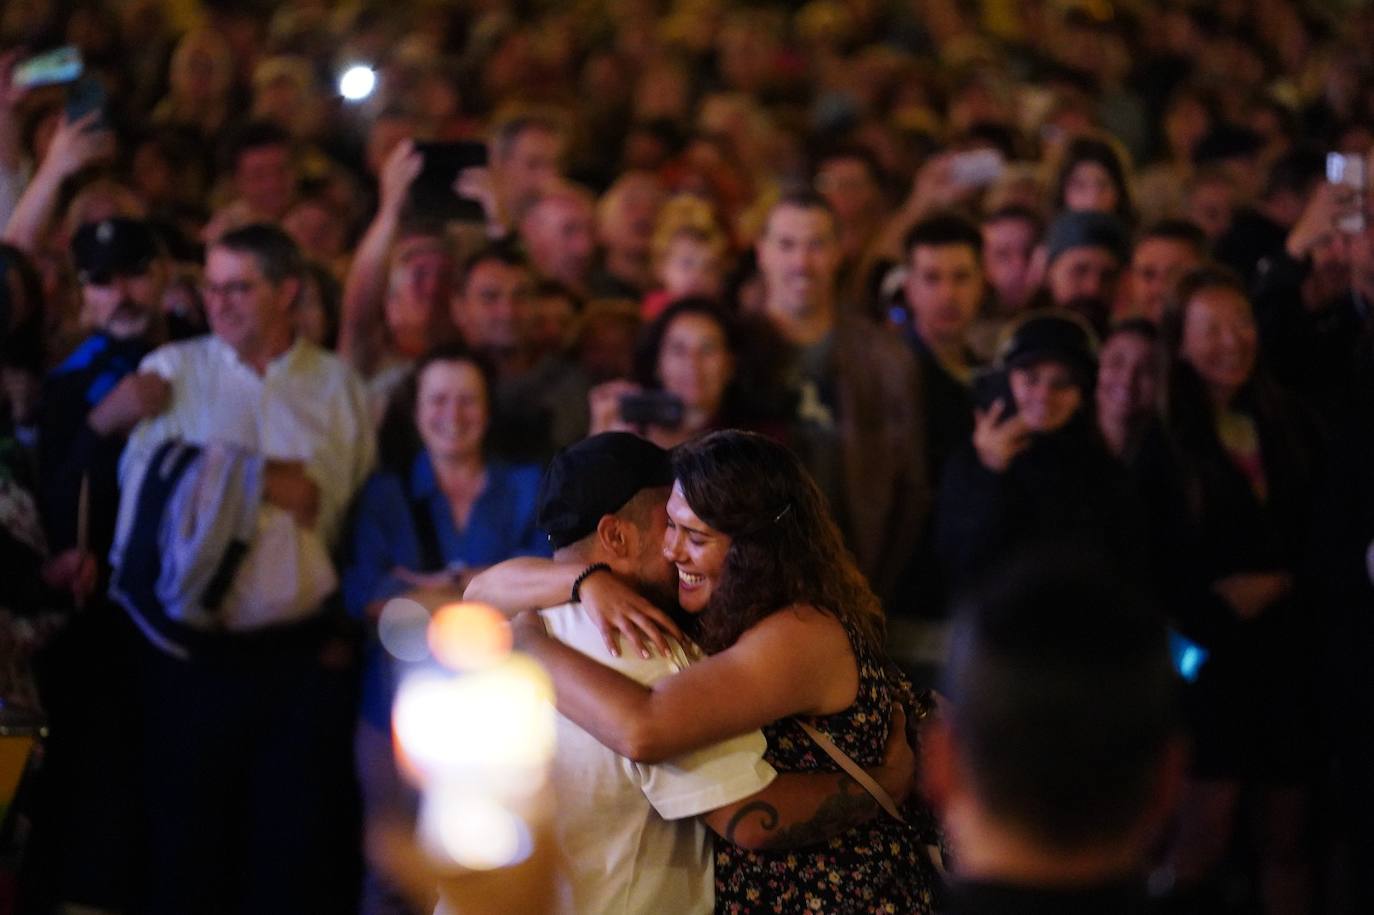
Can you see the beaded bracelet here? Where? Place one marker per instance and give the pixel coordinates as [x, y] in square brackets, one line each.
[587, 573]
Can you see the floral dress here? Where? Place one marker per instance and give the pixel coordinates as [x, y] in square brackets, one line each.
[881, 866]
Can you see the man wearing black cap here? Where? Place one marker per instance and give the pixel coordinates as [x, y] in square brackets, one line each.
[92, 400]
[634, 835]
[88, 405]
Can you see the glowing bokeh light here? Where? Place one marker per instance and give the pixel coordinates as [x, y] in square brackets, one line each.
[493, 727]
[357, 82]
[469, 636]
[402, 629]
[474, 831]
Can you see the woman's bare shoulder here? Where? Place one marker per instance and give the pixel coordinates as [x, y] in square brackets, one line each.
[800, 623]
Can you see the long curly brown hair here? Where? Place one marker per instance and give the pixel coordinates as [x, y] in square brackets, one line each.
[785, 549]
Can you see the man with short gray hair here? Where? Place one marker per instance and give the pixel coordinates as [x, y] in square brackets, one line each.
[248, 721]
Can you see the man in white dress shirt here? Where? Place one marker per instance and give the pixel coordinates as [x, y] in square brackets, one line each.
[248, 732]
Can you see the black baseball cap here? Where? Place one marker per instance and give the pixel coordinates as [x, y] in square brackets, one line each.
[594, 478]
[1051, 335]
[113, 247]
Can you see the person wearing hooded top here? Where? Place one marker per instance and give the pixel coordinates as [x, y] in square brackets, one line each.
[1036, 469]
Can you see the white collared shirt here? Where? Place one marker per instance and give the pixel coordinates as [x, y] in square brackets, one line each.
[307, 406]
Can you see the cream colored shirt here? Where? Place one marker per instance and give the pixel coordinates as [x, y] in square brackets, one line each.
[308, 406]
[630, 834]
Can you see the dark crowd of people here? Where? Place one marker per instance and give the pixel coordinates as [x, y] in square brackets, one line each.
[686, 313]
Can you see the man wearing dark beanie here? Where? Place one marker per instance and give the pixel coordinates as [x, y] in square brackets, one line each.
[1084, 254]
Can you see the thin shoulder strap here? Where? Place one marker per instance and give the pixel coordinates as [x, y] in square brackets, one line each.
[853, 769]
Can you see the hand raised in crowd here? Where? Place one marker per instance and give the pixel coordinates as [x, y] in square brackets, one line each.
[399, 171]
[1251, 593]
[897, 772]
[76, 145]
[603, 403]
[997, 440]
[477, 183]
[137, 397]
[10, 94]
[1324, 207]
[287, 486]
[935, 186]
[619, 610]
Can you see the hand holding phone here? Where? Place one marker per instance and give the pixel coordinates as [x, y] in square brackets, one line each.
[991, 385]
[77, 144]
[999, 433]
[398, 173]
[85, 96]
[652, 408]
[977, 167]
[1348, 172]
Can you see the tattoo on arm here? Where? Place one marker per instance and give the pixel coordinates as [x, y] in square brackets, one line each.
[849, 806]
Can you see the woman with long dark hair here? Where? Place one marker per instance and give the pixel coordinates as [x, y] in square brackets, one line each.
[697, 356]
[793, 635]
[1128, 385]
[1094, 175]
[1245, 461]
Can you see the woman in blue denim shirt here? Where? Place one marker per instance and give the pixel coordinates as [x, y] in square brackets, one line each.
[437, 512]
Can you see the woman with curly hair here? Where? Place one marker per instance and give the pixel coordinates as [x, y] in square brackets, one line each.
[793, 637]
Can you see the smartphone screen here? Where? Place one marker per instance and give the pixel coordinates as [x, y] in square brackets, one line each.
[1347, 170]
[61, 65]
[84, 96]
[977, 168]
[1188, 656]
[991, 385]
[652, 408]
[432, 194]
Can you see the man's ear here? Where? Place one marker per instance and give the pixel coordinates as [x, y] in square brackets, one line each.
[612, 536]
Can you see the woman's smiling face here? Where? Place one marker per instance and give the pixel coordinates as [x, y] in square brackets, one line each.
[696, 549]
